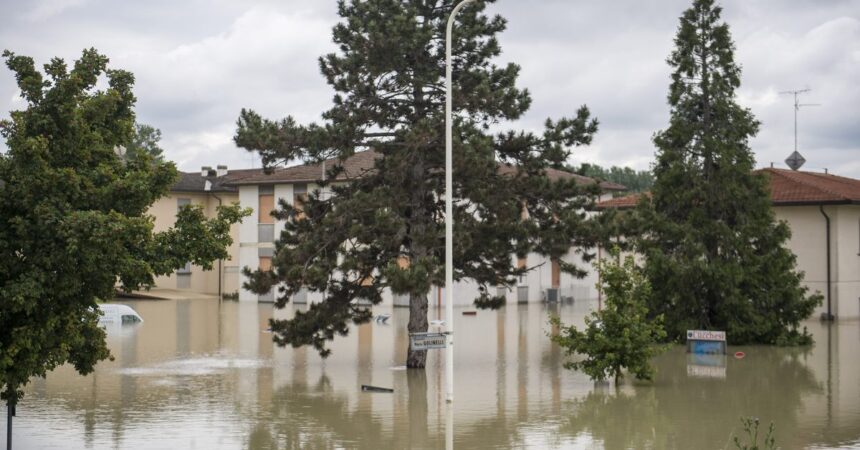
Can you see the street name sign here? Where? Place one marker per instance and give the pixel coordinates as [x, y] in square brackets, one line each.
[427, 341]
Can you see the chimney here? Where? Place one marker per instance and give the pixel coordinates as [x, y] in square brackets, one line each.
[221, 170]
[204, 171]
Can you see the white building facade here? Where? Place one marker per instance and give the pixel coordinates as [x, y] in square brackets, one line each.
[257, 234]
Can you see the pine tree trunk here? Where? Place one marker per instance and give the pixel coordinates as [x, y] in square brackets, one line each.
[416, 359]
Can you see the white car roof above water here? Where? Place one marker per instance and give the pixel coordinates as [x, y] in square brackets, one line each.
[114, 310]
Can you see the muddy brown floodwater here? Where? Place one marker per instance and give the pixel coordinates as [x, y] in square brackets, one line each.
[201, 375]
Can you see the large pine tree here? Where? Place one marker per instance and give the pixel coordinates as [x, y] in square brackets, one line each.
[389, 80]
[716, 255]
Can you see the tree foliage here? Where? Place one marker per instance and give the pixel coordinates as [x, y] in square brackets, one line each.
[73, 217]
[146, 139]
[388, 75]
[715, 254]
[634, 180]
[621, 335]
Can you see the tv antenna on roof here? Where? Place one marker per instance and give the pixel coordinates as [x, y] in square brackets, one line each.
[795, 160]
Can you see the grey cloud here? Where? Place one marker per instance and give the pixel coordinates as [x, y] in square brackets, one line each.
[198, 62]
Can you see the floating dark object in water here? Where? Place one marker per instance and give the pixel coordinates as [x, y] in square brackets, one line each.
[383, 318]
[740, 355]
[368, 388]
[470, 313]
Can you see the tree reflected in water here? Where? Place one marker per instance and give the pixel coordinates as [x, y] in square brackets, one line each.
[681, 410]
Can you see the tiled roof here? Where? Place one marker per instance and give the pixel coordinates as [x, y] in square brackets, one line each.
[354, 166]
[787, 187]
[195, 182]
[625, 202]
[556, 174]
[361, 163]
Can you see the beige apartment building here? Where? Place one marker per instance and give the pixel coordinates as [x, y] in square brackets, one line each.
[261, 192]
[823, 212]
[208, 189]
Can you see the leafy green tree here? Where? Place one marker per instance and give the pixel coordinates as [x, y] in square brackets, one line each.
[389, 80]
[145, 139]
[74, 221]
[634, 180]
[621, 335]
[715, 254]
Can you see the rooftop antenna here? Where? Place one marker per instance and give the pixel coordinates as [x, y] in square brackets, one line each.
[796, 160]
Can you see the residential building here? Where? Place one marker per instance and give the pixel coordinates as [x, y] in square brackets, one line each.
[823, 212]
[262, 192]
[208, 189]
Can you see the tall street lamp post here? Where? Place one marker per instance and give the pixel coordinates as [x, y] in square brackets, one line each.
[449, 214]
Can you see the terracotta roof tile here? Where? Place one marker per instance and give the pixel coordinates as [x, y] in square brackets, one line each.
[795, 187]
[354, 166]
[361, 163]
[625, 202]
[787, 187]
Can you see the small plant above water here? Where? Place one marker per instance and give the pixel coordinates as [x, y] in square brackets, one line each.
[621, 336]
[751, 430]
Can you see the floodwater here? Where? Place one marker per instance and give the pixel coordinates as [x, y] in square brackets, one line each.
[196, 375]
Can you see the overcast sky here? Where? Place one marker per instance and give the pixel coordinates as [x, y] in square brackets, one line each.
[197, 63]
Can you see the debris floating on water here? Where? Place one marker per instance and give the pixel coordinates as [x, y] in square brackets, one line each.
[470, 313]
[740, 355]
[383, 318]
[369, 388]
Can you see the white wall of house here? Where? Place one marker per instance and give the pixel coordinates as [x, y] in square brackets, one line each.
[847, 259]
[808, 242]
[536, 280]
[248, 248]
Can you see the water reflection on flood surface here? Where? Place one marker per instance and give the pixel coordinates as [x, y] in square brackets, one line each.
[199, 375]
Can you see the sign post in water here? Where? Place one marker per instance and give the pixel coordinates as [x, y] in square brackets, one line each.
[706, 341]
[427, 341]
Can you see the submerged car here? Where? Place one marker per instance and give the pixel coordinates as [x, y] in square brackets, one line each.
[115, 313]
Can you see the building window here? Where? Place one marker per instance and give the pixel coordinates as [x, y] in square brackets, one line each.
[186, 269]
[266, 232]
[300, 196]
[266, 205]
[183, 277]
[265, 255]
[180, 202]
[266, 264]
[521, 264]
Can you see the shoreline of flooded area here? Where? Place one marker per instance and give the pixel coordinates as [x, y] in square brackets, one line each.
[197, 374]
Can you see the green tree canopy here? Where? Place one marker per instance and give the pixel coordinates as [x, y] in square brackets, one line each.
[73, 221]
[146, 138]
[634, 180]
[388, 75]
[621, 335]
[716, 255]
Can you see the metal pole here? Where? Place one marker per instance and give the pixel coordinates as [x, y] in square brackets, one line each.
[10, 411]
[449, 214]
[796, 108]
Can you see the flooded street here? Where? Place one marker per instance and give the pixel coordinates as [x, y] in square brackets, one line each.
[199, 375]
